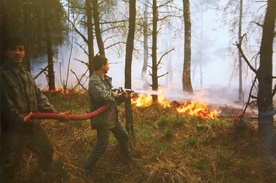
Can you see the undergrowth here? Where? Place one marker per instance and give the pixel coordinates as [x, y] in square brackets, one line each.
[171, 148]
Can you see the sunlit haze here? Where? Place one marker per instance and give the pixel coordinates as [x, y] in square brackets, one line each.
[213, 51]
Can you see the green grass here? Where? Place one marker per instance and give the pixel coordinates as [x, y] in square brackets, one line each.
[170, 148]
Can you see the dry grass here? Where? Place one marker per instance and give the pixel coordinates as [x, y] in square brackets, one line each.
[171, 149]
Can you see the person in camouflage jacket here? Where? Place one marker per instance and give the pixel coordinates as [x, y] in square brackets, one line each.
[100, 93]
[19, 94]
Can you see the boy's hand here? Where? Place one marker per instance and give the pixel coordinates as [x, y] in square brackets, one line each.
[27, 118]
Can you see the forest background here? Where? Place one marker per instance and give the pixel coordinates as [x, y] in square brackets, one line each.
[63, 37]
[214, 32]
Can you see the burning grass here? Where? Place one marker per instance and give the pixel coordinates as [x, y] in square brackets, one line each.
[197, 108]
[171, 147]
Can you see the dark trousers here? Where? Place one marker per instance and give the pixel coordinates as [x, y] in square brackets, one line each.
[15, 142]
[102, 141]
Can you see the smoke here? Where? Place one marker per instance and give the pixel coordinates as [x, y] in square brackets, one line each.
[214, 62]
[63, 60]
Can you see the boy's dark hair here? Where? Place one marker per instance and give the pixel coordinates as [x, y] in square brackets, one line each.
[13, 40]
[99, 61]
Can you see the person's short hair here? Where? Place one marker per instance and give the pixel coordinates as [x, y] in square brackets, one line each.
[99, 61]
[13, 40]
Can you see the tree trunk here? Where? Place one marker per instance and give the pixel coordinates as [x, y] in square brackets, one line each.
[27, 63]
[145, 42]
[154, 50]
[97, 27]
[186, 75]
[240, 57]
[90, 36]
[51, 75]
[128, 63]
[3, 29]
[265, 118]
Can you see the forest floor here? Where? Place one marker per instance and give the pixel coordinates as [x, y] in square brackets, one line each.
[169, 147]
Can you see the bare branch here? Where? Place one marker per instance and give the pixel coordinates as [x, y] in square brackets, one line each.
[164, 4]
[85, 63]
[82, 48]
[170, 16]
[167, 52]
[115, 44]
[243, 55]
[162, 75]
[79, 80]
[42, 70]
[257, 23]
[76, 29]
[248, 100]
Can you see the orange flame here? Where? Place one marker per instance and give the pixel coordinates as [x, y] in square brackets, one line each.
[192, 108]
[199, 109]
[142, 100]
[63, 91]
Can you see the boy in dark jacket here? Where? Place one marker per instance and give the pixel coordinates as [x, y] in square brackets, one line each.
[19, 94]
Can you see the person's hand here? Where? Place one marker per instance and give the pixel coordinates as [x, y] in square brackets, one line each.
[116, 94]
[126, 94]
[27, 118]
[122, 97]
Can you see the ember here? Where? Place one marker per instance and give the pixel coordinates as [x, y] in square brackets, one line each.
[192, 108]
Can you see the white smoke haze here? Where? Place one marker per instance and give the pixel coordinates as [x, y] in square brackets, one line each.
[214, 61]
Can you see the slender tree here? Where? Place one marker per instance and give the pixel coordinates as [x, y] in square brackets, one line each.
[145, 43]
[186, 75]
[50, 54]
[97, 27]
[264, 74]
[240, 57]
[27, 32]
[154, 49]
[264, 77]
[128, 64]
[90, 39]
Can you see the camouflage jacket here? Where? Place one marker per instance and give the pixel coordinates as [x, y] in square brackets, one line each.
[100, 93]
[19, 94]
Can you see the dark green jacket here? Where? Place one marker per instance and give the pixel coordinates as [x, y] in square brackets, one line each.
[19, 94]
[100, 93]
